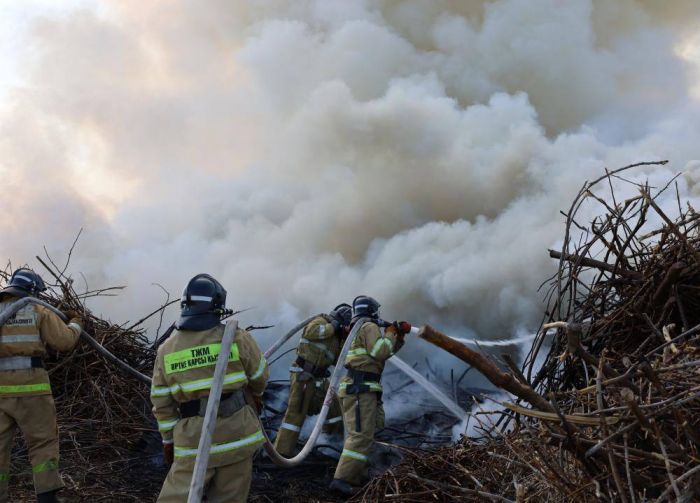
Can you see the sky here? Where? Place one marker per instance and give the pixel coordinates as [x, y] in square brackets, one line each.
[307, 152]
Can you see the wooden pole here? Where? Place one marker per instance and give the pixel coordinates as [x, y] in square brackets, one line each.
[486, 367]
[202, 462]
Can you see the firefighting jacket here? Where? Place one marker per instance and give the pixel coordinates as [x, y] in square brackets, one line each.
[368, 352]
[319, 344]
[29, 333]
[184, 371]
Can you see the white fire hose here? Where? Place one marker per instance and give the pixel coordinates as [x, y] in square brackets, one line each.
[332, 390]
[269, 448]
[212, 411]
[273, 349]
[338, 372]
[276, 457]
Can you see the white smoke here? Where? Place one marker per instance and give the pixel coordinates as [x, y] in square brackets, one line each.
[307, 152]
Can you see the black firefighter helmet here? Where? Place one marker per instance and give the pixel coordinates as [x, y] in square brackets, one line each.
[24, 282]
[365, 307]
[202, 304]
[342, 314]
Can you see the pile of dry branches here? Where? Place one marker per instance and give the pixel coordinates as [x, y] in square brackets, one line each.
[616, 408]
[609, 409]
[110, 447]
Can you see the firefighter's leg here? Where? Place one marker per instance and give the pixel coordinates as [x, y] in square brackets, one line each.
[7, 438]
[334, 420]
[297, 407]
[379, 423]
[176, 487]
[231, 483]
[352, 467]
[36, 417]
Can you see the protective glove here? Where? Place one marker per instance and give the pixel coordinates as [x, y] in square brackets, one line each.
[168, 453]
[404, 327]
[74, 316]
[400, 328]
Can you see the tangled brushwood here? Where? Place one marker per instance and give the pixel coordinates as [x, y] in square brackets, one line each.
[608, 409]
[110, 446]
[619, 418]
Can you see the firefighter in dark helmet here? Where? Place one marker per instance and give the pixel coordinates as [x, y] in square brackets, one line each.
[182, 379]
[318, 349]
[360, 391]
[25, 392]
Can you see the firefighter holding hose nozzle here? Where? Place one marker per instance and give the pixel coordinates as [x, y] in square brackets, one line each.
[318, 349]
[182, 378]
[25, 392]
[360, 391]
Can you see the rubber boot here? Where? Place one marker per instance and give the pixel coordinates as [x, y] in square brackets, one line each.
[47, 497]
[343, 487]
[52, 497]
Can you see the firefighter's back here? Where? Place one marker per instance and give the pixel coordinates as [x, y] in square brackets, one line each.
[26, 401]
[182, 380]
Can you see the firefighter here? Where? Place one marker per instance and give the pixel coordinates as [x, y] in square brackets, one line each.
[360, 391]
[182, 378]
[25, 392]
[318, 349]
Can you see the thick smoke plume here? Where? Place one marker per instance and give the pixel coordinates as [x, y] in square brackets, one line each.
[307, 152]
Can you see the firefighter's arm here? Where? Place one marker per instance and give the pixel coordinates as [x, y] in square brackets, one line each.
[319, 330]
[164, 406]
[379, 346]
[319, 333]
[401, 329]
[55, 333]
[254, 363]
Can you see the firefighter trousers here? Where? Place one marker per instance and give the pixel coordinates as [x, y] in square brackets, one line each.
[359, 436]
[36, 418]
[223, 484]
[305, 399]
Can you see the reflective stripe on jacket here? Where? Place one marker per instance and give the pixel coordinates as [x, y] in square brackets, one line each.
[184, 371]
[28, 333]
[370, 349]
[319, 344]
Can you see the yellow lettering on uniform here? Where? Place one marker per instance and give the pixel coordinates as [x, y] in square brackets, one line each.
[196, 357]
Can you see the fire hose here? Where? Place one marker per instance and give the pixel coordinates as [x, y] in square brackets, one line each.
[269, 448]
[289, 335]
[276, 457]
[10, 311]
